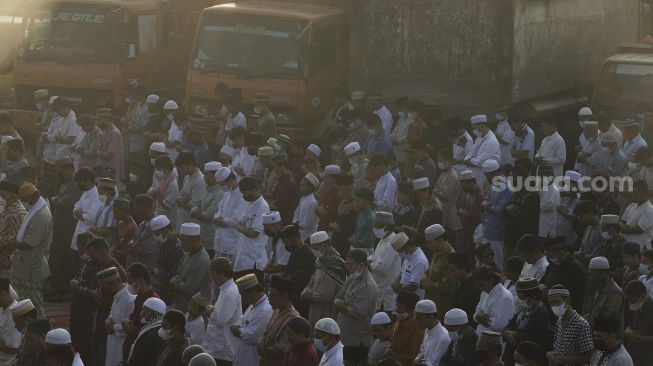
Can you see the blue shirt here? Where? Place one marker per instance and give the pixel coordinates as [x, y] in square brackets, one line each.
[379, 144]
[364, 233]
[494, 220]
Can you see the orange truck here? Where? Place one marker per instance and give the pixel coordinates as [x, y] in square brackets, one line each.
[294, 52]
[90, 50]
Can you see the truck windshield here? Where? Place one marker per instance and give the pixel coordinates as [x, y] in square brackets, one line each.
[625, 86]
[250, 45]
[71, 35]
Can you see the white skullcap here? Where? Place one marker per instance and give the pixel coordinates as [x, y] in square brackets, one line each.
[58, 336]
[585, 111]
[608, 137]
[312, 179]
[466, 175]
[383, 218]
[426, 307]
[358, 96]
[158, 147]
[22, 307]
[202, 359]
[272, 141]
[190, 229]
[332, 169]
[7, 138]
[212, 166]
[421, 183]
[433, 232]
[399, 241]
[222, 174]
[328, 325]
[599, 263]
[314, 149]
[380, 318]
[155, 304]
[592, 124]
[572, 175]
[490, 166]
[319, 237]
[479, 118]
[265, 151]
[52, 99]
[272, 217]
[228, 150]
[455, 316]
[352, 148]
[159, 222]
[170, 105]
[609, 219]
[152, 98]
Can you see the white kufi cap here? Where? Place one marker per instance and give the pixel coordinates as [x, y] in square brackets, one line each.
[380, 318]
[319, 237]
[212, 166]
[155, 304]
[433, 232]
[352, 148]
[152, 98]
[426, 307]
[455, 316]
[159, 222]
[312, 179]
[332, 169]
[585, 111]
[158, 147]
[222, 174]
[421, 183]
[479, 118]
[599, 263]
[328, 325]
[272, 217]
[190, 229]
[314, 149]
[170, 105]
[58, 336]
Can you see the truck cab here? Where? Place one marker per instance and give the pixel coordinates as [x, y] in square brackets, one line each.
[294, 52]
[624, 87]
[89, 51]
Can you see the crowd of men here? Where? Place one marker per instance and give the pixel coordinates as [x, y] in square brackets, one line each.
[381, 238]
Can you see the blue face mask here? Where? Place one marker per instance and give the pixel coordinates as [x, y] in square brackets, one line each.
[454, 336]
[319, 345]
[643, 268]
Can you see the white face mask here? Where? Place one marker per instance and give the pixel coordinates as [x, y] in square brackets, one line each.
[152, 161]
[258, 110]
[159, 174]
[40, 106]
[477, 132]
[132, 177]
[559, 310]
[636, 307]
[170, 116]
[412, 115]
[165, 334]
[605, 235]
[132, 290]
[632, 166]
[443, 166]
[499, 117]
[379, 233]
[102, 198]
[159, 238]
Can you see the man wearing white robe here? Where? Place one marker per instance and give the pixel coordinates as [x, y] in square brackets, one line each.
[252, 238]
[305, 216]
[243, 163]
[230, 209]
[486, 146]
[385, 192]
[253, 323]
[633, 140]
[591, 150]
[549, 202]
[505, 135]
[553, 150]
[385, 263]
[462, 144]
[121, 309]
[85, 210]
[192, 190]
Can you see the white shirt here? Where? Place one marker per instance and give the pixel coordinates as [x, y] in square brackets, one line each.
[549, 202]
[385, 193]
[386, 119]
[277, 253]
[252, 325]
[67, 127]
[11, 337]
[498, 305]
[333, 356]
[251, 251]
[218, 341]
[50, 150]
[195, 329]
[484, 148]
[239, 120]
[631, 146]
[88, 204]
[593, 152]
[462, 146]
[648, 282]
[554, 152]
[535, 270]
[385, 267]
[77, 361]
[434, 345]
[524, 140]
[193, 190]
[79, 137]
[506, 133]
[305, 216]
[413, 269]
[639, 216]
[121, 309]
[617, 133]
[230, 209]
[245, 161]
[174, 134]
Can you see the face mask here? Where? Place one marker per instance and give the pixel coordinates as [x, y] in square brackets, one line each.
[84, 257]
[159, 174]
[499, 116]
[40, 106]
[317, 253]
[372, 131]
[258, 110]
[159, 238]
[132, 177]
[165, 334]
[132, 290]
[559, 310]
[102, 198]
[636, 307]
[152, 161]
[170, 117]
[379, 233]
[643, 268]
[454, 336]
[402, 316]
[443, 166]
[319, 345]
[605, 235]
[477, 132]
[632, 166]
[521, 305]
[412, 115]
